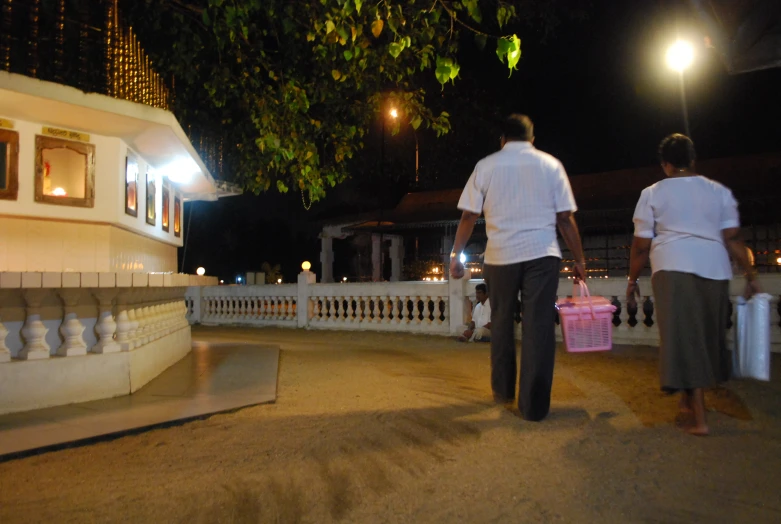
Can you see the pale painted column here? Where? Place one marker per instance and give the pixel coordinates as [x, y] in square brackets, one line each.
[5, 353]
[327, 259]
[33, 331]
[106, 325]
[447, 247]
[303, 307]
[397, 258]
[71, 329]
[376, 258]
[457, 290]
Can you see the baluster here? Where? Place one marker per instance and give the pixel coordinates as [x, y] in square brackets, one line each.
[71, 328]
[338, 303]
[59, 42]
[648, 312]
[445, 310]
[617, 313]
[428, 311]
[291, 312]
[398, 310]
[418, 311]
[5, 353]
[106, 326]
[386, 309]
[407, 310]
[316, 309]
[132, 334]
[351, 317]
[32, 42]
[375, 310]
[5, 36]
[33, 331]
[285, 301]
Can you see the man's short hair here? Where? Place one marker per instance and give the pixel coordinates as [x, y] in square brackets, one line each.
[518, 127]
[481, 287]
[677, 150]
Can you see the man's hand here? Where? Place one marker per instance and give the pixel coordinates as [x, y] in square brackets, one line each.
[632, 294]
[456, 268]
[752, 288]
[579, 270]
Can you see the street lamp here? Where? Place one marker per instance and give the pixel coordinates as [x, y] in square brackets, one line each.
[680, 56]
[394, 114]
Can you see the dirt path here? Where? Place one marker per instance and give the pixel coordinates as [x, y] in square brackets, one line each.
[399, 428]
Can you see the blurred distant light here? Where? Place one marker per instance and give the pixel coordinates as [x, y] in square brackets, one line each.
[393, 113]
[306, 266]
[680, 56]
[200, 271]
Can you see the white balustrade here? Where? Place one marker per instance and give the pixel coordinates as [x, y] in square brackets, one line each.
[71, 329]
[5, 353]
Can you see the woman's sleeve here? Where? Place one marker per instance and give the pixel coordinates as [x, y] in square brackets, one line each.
[730, 217]
[644, 216]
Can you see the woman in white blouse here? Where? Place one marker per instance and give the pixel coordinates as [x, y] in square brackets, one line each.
[689, 226]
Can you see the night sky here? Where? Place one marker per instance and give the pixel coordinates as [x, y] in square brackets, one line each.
[598, 91]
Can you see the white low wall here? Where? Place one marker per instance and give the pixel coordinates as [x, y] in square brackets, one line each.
[416, 307]
[34, 384]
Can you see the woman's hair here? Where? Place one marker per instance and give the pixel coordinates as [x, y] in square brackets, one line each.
[677, 150]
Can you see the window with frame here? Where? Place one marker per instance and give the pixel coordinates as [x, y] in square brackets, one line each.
[177, 216]
[166, 207]
[131, 185]
[64, 172]
[151, 198]
[9, 164]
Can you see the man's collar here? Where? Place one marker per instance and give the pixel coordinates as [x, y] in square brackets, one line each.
[517, 144]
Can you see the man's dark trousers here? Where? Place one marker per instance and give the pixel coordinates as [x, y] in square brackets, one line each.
[538, 282]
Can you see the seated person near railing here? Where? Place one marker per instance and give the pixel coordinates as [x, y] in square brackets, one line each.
[479, 329]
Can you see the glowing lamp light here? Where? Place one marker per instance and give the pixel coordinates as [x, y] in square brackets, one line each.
[180, 171]
[58, 191]
[344, 279]
[778, 261]
[238, 279]
[279, 281]
[222, 281]
[680, 56]
[306, 266]
[462, 258]
[393, 113]
[200, 271]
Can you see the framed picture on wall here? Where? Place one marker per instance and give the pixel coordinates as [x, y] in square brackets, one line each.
[131, 185]
[151, 198]
[177, 217]
[9, 164]
[166, 206]
[64, 172]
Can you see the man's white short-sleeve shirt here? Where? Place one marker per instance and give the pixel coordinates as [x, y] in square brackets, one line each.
[519, 190]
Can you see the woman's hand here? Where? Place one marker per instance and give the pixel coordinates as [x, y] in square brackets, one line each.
[632, 293]
[752, 288]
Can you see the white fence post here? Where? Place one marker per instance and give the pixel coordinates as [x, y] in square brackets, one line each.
[457, 295]
[302, 302]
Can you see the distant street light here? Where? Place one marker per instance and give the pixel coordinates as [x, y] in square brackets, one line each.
[680, 56]
[200, 271]
[394, 114]
[306, 266]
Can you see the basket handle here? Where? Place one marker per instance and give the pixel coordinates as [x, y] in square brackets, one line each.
[584, 291]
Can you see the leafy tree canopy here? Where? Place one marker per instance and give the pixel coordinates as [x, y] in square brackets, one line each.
[292, 86]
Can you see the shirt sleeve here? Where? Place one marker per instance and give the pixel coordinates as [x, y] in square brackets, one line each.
[729, 211]
[487, 311]
[644, 216]
[473, 196]
[563, 197]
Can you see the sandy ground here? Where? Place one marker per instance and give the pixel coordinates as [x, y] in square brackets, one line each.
[400, 428]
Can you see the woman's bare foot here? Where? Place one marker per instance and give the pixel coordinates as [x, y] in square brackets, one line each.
[684, 405]
[697, 431]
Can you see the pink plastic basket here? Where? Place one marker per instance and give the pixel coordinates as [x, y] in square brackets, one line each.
[586, 321]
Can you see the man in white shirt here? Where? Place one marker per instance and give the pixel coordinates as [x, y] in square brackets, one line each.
[479, 329]
[525, 196]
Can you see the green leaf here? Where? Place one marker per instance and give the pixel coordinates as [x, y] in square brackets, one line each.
[336, 74]
[442, 73]
[395, 49]
[509, 49]
[329, 27]
[206, 20]
[473, 8]
[348, 55]
[281, 187]
[416, 122]
[358, 5]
